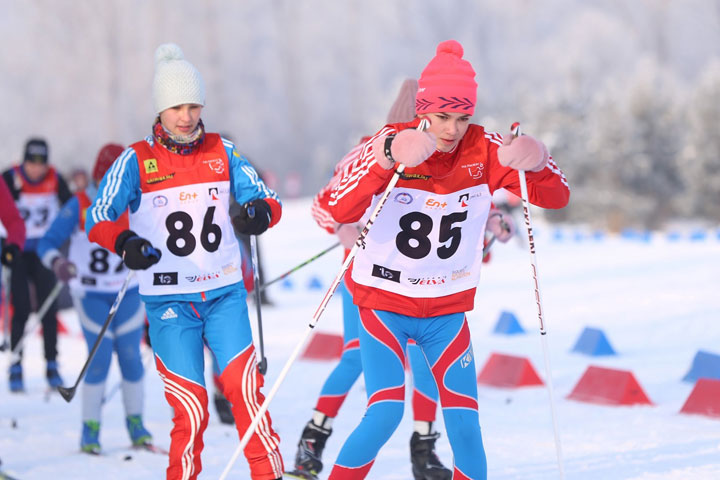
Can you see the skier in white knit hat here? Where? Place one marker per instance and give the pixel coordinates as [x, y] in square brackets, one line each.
[177, 183]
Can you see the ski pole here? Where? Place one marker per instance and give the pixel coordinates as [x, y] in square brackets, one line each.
[294, 269]
[6, 309]
[262, 365]
[15, 353]
[515, 130]
[69, 393]
[360, 242]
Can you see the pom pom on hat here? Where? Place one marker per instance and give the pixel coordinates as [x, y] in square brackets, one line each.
[447, 84]
[176, 81]
[403, 110]
[105, 158]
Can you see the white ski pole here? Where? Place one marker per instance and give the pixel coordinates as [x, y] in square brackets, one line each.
[360, 242]
[6, 309]
[515, 130]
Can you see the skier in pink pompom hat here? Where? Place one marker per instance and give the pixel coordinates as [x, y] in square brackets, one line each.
[417, 273]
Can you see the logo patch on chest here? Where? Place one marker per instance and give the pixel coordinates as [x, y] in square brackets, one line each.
[162, 178]
[414, 176]
[404, 198]
[216, 165]
[150, 165]
[159, 201]
[475, 170]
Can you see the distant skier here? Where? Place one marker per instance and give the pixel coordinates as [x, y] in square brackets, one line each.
[95, 275]
[177, 183]
[418, 272]
[39, 192]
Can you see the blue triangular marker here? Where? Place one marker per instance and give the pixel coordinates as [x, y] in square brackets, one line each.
[705, 365]
[592, 341]
[315, 283]
[508, 324]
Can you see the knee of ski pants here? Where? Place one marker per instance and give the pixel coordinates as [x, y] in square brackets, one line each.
[241, 372]
[384, 417]
[100, 364]
[463, 428]
[129, 359]
[350, 360]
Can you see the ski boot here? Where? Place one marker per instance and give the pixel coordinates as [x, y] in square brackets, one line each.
[16, 378]
[53, 377]
[138, 433]
[223, 408]
[425, 463]
[308, 460]
[90, 439]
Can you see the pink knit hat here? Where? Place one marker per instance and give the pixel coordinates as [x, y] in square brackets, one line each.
[403, 109]
[448, 82]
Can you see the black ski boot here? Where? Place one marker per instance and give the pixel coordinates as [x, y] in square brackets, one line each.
[425, 463]
[308, 459]
[224, 408]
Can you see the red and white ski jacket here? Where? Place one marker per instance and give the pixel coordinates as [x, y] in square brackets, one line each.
[423, 253]
[320, 210]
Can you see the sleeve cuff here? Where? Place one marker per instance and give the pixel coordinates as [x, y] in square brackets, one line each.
[275, 211]
[49, 257]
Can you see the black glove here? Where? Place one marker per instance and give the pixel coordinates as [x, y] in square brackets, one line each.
[253, 219]
[10, 254]
[136, 252]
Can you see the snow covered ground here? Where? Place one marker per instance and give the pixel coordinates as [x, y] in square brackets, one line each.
[657, 301]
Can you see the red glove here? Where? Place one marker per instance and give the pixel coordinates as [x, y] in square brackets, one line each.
[502, 226]
[523, 153]
[410, 147]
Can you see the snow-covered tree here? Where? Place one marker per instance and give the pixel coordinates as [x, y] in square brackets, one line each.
[700, 159]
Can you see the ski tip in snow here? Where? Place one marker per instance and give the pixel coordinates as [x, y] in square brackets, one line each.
[151, 448]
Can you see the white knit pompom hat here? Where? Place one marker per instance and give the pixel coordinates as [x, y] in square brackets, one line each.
[176, 80]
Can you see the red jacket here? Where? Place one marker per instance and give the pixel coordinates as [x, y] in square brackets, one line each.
[10, 217]
[473, 162]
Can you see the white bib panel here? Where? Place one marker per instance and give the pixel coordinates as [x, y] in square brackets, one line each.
[191, 227]
[98, 270]
[38, 210]
[424, 244]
